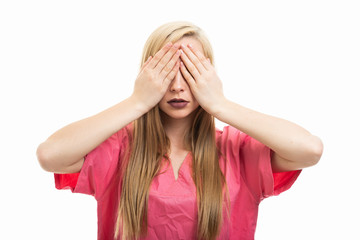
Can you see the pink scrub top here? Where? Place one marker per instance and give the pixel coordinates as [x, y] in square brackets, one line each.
[172, 210]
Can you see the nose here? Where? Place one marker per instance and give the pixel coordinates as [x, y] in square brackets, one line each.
[178, 84]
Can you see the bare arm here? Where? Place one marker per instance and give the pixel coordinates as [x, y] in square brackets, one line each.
[64, 151]
[293, 147]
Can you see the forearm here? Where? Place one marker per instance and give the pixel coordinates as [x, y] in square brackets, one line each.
[65, 149]
[290, 142]
[71, 143]
[287, 139]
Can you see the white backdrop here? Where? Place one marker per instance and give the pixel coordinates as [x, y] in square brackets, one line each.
[61, 61]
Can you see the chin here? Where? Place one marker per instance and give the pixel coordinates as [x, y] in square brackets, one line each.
[177, 114]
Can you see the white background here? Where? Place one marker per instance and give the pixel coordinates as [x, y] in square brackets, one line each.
[61, 61]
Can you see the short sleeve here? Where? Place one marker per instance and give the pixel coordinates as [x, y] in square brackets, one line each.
[254, 163]
[100, 167]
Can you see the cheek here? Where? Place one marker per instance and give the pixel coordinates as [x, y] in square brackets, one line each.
[162, 102]
[194, 101]
[192, 95]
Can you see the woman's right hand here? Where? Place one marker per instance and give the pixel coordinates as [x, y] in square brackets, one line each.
[156, 75]
[64, 151]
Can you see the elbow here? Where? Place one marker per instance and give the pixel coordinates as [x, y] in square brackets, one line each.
[44, 158]
[315, 151]
[51, 161]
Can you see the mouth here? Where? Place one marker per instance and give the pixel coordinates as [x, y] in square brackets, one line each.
[178, 103]
[177, 100]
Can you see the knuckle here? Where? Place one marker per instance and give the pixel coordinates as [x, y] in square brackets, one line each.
[148, 72]
[202, 59]
[156, 57]
[152, 75]
[167, 69]
[162, 62]
[144, 72]
[175, 69]
[191, 68]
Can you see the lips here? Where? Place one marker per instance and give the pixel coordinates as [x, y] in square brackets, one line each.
[178, 102]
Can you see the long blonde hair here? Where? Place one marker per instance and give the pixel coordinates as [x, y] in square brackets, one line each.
[149, 145]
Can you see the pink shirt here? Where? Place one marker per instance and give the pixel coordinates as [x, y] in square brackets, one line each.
[172, 210]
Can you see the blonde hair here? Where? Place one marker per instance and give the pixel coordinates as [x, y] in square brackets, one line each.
[149, 145]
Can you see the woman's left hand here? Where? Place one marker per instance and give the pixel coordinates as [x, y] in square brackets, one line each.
[201, 76]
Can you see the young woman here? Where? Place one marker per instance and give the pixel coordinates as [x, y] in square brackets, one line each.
[156, 164]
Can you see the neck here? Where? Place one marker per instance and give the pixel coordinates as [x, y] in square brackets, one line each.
[175, 130]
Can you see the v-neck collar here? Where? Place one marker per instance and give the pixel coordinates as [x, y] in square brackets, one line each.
[184, 162]
[164, 183]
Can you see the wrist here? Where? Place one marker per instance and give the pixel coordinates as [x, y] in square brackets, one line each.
[138, 105]
[217, 108]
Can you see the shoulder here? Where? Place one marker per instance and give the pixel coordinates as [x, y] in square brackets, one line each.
[123, 136]
[228, 141]
[237, 144]
[117, 142]
[229, 134]
[232, 134]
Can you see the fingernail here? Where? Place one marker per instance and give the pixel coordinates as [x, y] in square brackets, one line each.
[181, 51]
[182, 45]
[168, 44]
[190, 46]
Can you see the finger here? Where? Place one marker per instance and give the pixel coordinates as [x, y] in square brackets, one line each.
[170, 65]
[193, 58]
[204, 61]
[158, 56]
[166, 58]
[145, 63]
[189, 79]
[190, 66]
[172, 74]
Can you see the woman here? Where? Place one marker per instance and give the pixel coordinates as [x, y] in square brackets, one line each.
[157, 166]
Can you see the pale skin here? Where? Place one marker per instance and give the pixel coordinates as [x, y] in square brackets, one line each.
[189, 75]
[292, 146]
